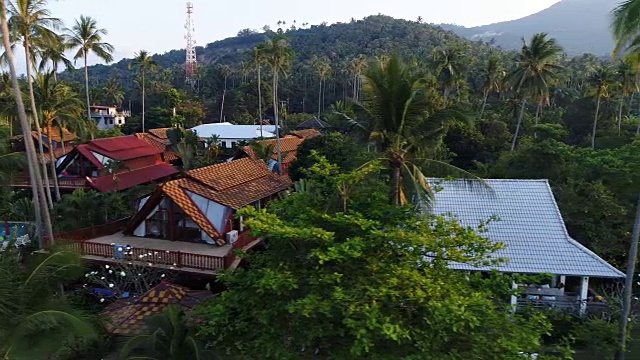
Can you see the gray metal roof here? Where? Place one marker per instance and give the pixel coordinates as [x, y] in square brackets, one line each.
[529, 224]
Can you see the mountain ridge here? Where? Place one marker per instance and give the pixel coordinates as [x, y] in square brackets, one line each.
[580, 26]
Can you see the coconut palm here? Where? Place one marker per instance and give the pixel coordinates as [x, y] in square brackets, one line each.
[626, 76]
[536, 68]
[493, 75]
[43, 219]
[143, 62]
[278, 56]
[35, 319]
[626, 23]
[449, 66]
[258, 61]
[87, 38]
[52, 53]
[113, 92]
[397, 113]
[357, 65]
[323, 69]
[169, 338]
[601, 79]
[32, 25]
[57, 103]
[225, 71]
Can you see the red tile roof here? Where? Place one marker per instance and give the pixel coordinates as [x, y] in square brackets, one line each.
[129, 179]
[117, 148]
[159, 133]
[66, 135]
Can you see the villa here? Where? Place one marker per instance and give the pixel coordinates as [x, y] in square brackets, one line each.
[108, 117]
[229, 135]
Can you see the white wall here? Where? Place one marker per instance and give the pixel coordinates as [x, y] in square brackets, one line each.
[216, 213]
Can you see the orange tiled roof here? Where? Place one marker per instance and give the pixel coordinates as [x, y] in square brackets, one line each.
[159, 133]
[66, 135]
[306, 133]
[159, 144]
[288, 146]
[233, 184]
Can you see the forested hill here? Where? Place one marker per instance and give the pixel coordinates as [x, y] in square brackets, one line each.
[339, 43]
[580, 26]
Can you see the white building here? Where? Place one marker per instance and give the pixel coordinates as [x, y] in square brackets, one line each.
[108, 117]
[230, 135]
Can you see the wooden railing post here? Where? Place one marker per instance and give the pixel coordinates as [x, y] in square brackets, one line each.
[179, 262]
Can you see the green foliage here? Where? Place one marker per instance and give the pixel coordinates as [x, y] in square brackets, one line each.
[348, 285]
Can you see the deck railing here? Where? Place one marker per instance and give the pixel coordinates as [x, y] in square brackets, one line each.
[92, 232]
[65, 183]
[77, 241]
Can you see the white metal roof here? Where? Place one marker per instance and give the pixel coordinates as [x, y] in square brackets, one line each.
[529, 224]
[229, 131]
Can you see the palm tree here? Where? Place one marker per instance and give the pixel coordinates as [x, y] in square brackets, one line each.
[493, 76]
[278, 56]
[398, 114]
[43, 219]
[225, 71]
[35, 319]
[32, 24]
[169, 338]
[626, 23]
[86, 36]
[143, 62]
[536, 68]
[52, 52]
[57, 103]
[323, 69]
[626, 72]
[258, 61]
[113, 92]
[263, 151]
[601, 79]
[357, 65]
[449, 65]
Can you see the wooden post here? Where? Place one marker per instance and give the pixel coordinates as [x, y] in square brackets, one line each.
[584, 290]
[514, 297]
[563, 281]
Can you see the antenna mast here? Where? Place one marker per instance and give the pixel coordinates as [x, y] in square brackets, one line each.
[190, 63]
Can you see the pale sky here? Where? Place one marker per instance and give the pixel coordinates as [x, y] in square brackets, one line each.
[158, 25]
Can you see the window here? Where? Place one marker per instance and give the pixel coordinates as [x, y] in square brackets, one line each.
[233, 144]
[111, 121]
[224, 144]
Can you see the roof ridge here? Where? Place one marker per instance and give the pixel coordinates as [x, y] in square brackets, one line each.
[573, 241]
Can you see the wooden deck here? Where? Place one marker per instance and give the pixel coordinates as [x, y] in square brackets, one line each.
[106, 243]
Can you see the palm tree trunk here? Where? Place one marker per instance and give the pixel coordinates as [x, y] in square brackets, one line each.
[319, 97]
[630, 103]
[515, 135]
[628, 286]
[484, 104]
[595, 125]
[143, 96]
[86, 86]
[277, 122]
[224, 93]
[40, 206]
[52, 157]
[260, 99]
[36, 120]
[620, 114]
[395, 185]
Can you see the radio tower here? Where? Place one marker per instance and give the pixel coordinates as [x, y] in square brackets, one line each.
[191, 63]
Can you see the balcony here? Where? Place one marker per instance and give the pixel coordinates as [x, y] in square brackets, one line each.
[107, 244]
[23, 181]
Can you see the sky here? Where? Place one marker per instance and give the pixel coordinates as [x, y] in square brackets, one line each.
[158, 25]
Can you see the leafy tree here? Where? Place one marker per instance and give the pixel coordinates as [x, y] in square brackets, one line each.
[449, 67]
[343, 285]
[144, 63]
[113, 92]
[536, 68]
[87, 38]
